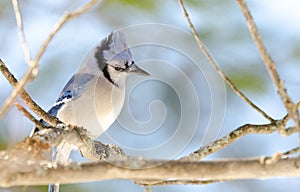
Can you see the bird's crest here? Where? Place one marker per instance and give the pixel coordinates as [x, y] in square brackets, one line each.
[114, 46]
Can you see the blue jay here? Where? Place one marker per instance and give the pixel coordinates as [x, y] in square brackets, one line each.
[94, 96]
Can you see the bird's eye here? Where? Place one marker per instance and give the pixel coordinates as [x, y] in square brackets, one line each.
[126, 64]
[119, 69]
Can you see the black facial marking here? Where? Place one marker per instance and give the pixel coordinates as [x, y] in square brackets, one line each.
[107, 76]
[119, 69]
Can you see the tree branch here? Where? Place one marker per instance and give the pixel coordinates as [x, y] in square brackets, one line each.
[292, 151]
[277, 125]
[44, 173]
[279, 84]
[21, 31]
[176, 182]
[63, 20]
[36, 122]
[77, 136]
[32, 70]
[214, 64]
[34, 170]
[27, 99]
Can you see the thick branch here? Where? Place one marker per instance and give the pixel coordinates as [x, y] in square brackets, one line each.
[34, 170]
[77, 136]
[178, 170]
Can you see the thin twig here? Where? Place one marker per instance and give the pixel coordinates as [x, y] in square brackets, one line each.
[278, 155]
[29, 116]
[32, 69]
[292, 151]
[237, 134]
[27, 99]
[176, 182]
[268, 61]
[298, 104]
[19, 86]
[214, 64]
[21, 31]
[66, 17]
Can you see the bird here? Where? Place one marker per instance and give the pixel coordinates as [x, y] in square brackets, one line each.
[95, 94]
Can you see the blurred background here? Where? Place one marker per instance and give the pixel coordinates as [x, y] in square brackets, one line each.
[184, 104]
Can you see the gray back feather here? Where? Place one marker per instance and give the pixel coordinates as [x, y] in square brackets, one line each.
[77, 81]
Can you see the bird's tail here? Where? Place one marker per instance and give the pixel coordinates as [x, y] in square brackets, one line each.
[53, 188]
[60, 154]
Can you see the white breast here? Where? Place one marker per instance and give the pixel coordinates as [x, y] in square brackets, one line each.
[96, 109]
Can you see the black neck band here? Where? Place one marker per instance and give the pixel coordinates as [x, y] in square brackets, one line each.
[107, 75]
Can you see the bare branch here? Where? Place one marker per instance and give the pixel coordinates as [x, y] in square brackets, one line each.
[33, 67]
[21, 31]
[77, 136]
[176, 182]
[37, 123]
[214, 64]
[44, 173]
[31, 171]
[63, 20]
[27, 99]
[18, 87]
[279, 84]
[237, 134]
[292, 151]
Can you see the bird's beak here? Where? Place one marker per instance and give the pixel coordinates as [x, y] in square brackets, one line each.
[134, 69]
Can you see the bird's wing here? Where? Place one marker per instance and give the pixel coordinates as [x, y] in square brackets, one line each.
[71, 91]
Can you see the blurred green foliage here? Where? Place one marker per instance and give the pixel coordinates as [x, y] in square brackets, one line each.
[3, 142]
[3, 6]
[296, 50]
[3, 145]
[206, 4]
[146, 5]
[248, 80]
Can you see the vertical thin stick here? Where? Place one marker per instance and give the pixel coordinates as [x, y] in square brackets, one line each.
[279, 84]
[21, 31]
[29, 74]
[213, 63]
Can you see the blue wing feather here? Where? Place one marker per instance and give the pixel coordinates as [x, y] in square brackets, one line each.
[70, 91]
[74, 85]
